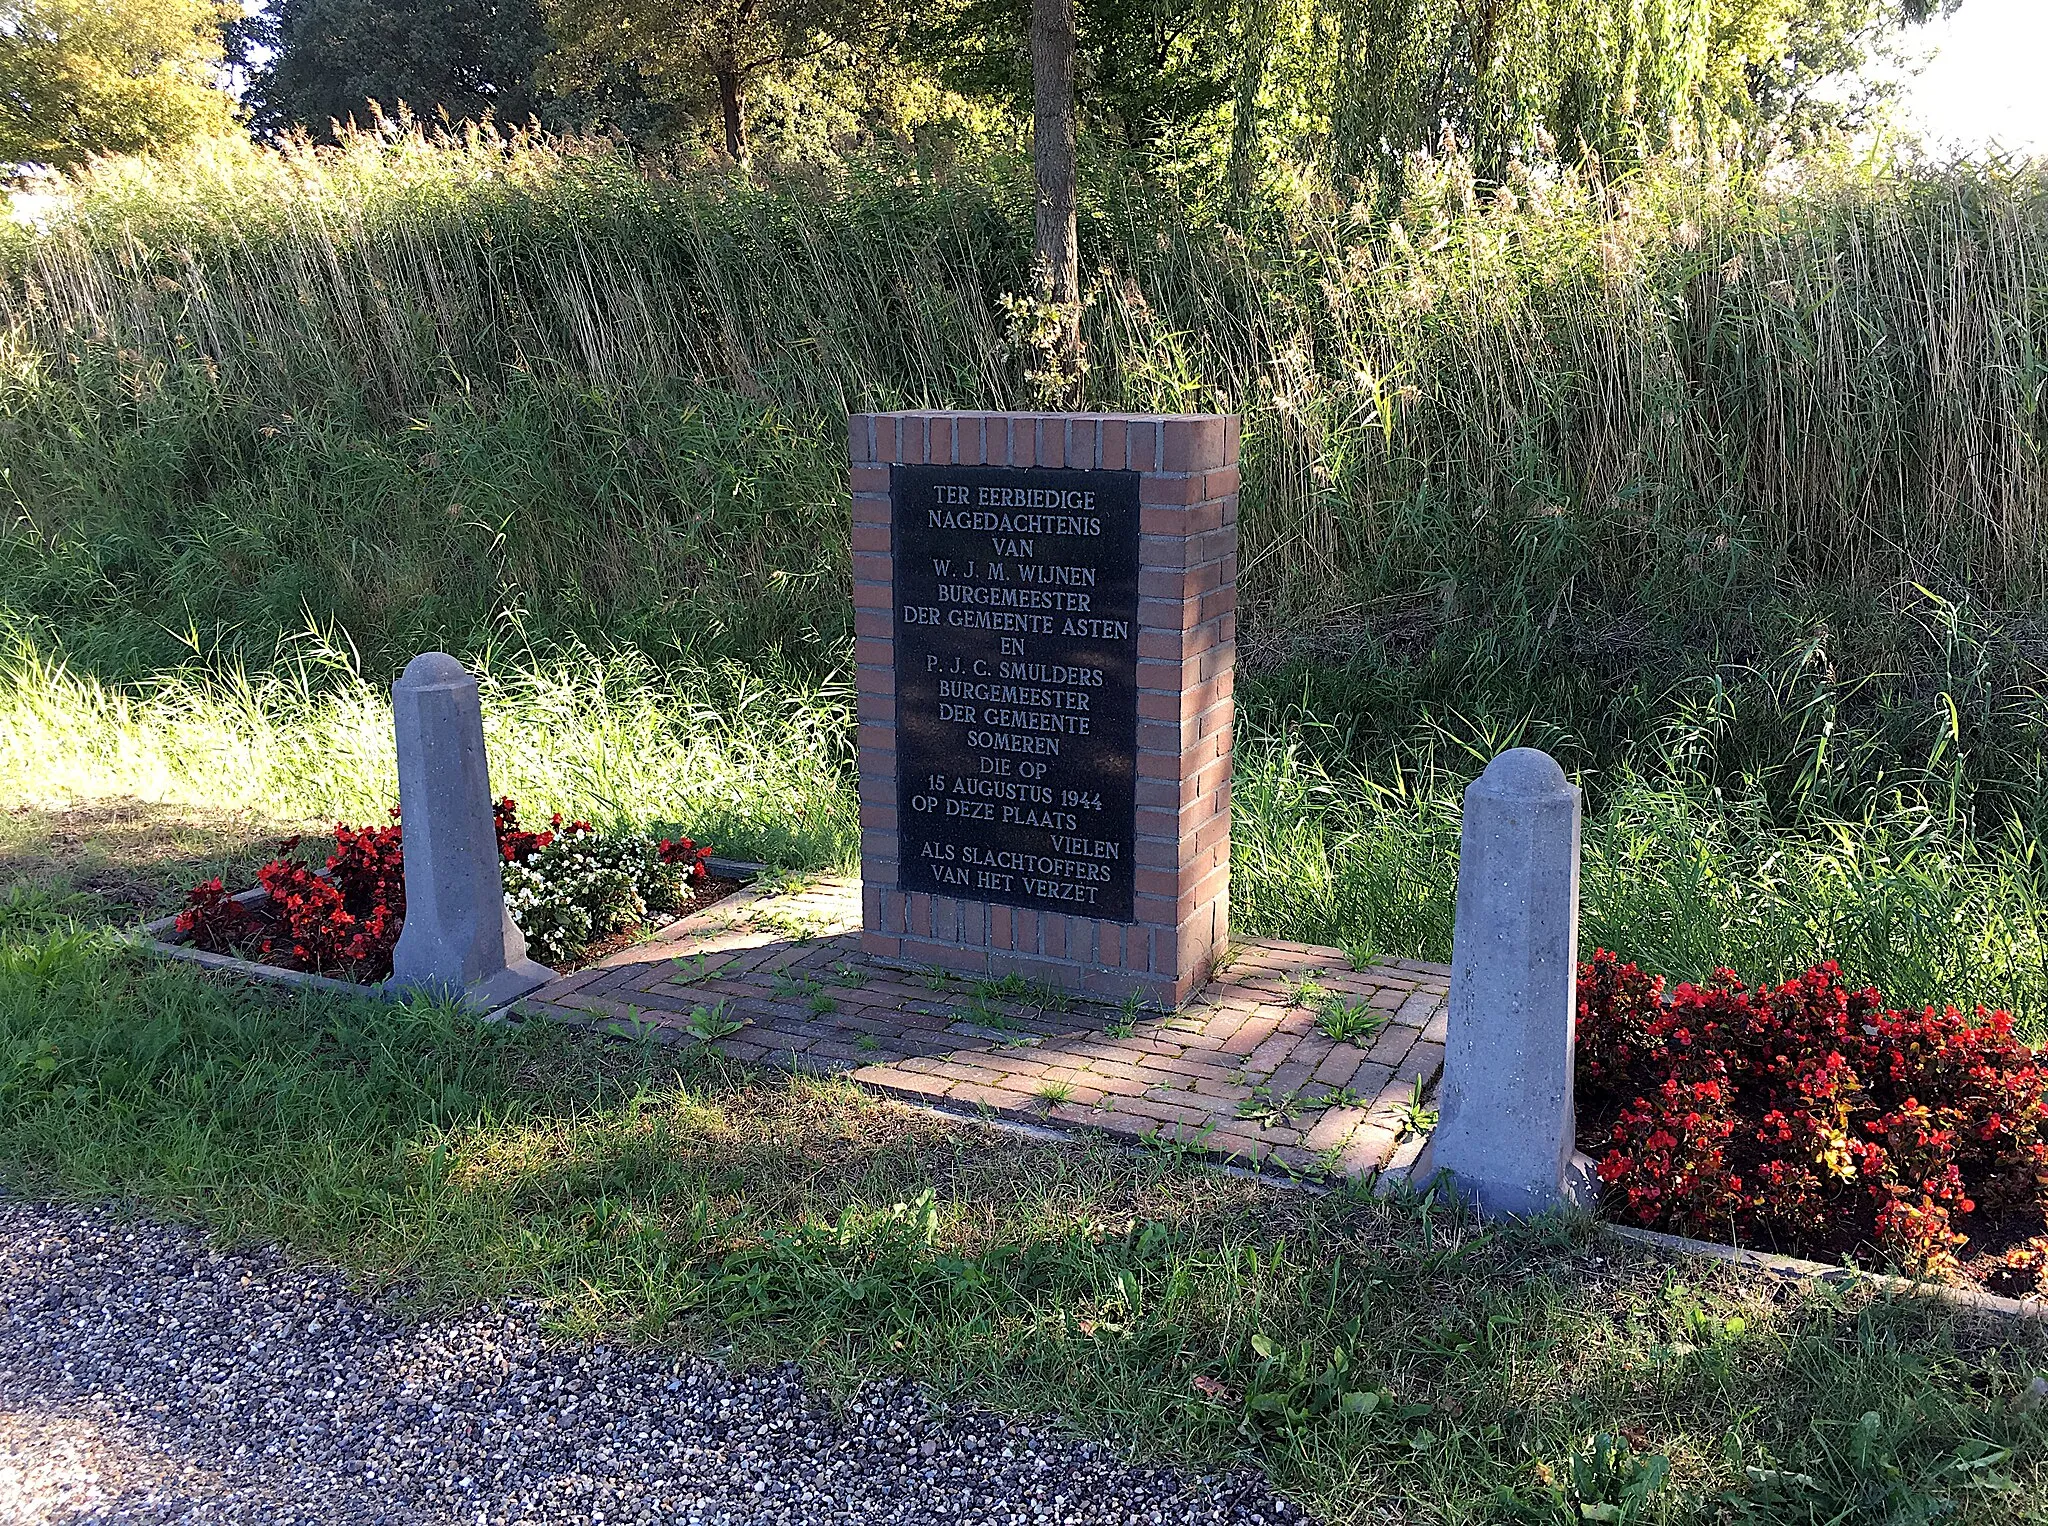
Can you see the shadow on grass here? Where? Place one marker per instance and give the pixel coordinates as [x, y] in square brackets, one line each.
[1380, 1360]
[121, 861]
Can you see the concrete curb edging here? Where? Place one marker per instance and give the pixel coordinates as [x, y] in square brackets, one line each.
[151, 938]
[1794, 1269]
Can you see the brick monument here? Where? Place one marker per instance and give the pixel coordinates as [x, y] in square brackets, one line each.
[1046, 615]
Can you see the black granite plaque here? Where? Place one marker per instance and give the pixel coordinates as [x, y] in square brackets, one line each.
[1016, 684]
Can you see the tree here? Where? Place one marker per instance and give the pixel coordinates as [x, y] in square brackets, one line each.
[1053, 146]
[1801, 66]
[82, 77]
[1506, 76]
[1261, 27]
[1144, 70]
[699, 52]
[464, 59]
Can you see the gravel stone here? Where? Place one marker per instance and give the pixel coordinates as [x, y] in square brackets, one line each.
[145, 1377]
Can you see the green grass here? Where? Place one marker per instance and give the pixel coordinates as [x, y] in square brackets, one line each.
[1375, 1357]
[1728, 498]
[1326, 848]
[746, 759]
[1334, 852]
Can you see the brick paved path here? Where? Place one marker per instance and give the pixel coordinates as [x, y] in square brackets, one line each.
[1246, 1071]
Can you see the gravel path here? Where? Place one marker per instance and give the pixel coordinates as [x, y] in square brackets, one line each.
[146, 1378]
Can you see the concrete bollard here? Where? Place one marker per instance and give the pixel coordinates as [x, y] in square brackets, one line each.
[1505, 1125]
[458, 935]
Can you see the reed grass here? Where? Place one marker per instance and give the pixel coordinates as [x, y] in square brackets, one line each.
[610, 397]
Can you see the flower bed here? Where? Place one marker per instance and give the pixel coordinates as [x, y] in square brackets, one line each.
[1810, 1118]
[573, 891]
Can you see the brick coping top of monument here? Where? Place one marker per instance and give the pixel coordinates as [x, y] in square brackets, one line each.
[1143, 442]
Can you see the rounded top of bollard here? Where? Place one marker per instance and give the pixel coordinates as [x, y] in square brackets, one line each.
[1525, 773]
[433, 670]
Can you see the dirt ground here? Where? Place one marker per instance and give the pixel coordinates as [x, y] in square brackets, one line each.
[122, 861]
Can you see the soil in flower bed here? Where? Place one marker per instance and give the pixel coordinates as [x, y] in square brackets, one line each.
[703, 893]
[1812, 1120]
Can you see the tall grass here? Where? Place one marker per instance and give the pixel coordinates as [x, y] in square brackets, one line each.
[1324, 849]
[1333, 854]
[757, 766]
[558, 382]
[1729, 495]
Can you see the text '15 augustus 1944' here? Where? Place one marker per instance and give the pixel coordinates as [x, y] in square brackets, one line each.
[1016, 609]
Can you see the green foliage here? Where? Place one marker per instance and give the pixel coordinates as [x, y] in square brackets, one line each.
[1546, 466]
[82, 77]
[329, 61]
[1338, 93]
[702, 55]
[1348, 1022]
[1152, 73]
[1557, 77]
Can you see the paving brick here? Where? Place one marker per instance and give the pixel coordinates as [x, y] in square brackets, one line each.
[1182, 1075]
[1271, 1055]
[1393, 1044]
[1075, 1113]
[893, 1079]
[1223, 1091]
[1290, 1076]
[1117, 1086]
[1334, 1127]
[1405, 1154]
[1425, 1060]
[1418, 1008]
[1250, 1034]
[991, 1097]
[1162, 1111]
[1367, 1150]
[1244, 1140]
[1338, 1066]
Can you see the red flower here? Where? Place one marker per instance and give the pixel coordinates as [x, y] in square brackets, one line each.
[683, 851]
[345, 918]
[515, 845]
[1855, 1125]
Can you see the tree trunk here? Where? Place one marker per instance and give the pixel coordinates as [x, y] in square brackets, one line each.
[1052, 159]
[735, 123]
